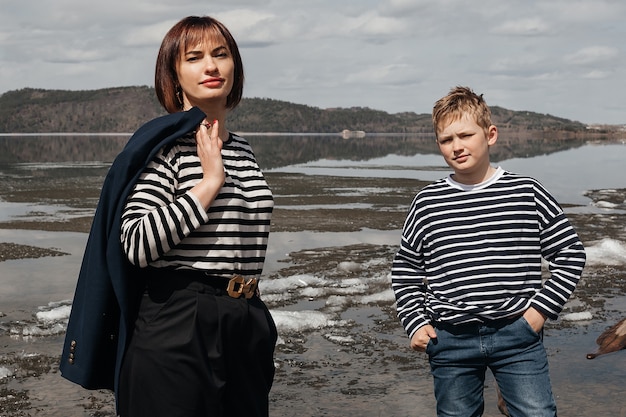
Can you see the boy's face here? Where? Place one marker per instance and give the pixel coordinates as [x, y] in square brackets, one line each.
[465, 148]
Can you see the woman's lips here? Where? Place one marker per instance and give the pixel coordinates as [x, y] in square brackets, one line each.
[213, 82]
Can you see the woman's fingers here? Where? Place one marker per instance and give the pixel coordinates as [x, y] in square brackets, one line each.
[207, 134]
[214, 129]
[209, 149]
[209, 146]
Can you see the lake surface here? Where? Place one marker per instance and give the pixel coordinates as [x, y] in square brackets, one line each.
[341, 350]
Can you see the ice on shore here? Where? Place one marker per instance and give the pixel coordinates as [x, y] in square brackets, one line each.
[304, 302]
[50, 320]
[5, 372]
[580, 316]
[606, 252]
[336, 292]
[332, 295]
[55, 313]
[299, 321]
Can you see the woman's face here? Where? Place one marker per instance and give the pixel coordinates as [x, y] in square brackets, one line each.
[205, 74]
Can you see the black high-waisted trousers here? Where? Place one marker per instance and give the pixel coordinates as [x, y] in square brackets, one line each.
[197, 352]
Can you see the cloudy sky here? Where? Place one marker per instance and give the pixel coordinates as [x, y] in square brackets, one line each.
[562, 57]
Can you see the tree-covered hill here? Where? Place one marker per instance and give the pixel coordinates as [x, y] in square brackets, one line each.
[124, 109]
[105, 110]
[267, 115]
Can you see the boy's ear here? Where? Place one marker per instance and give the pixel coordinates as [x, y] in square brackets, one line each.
[492, 135]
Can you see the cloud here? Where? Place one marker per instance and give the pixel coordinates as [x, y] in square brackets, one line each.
[392, 55]
[534, 26]
[375, 27]
[582, 11]
[391, 74]
[147, 35]
[592, 55]
[72, 55]
[256, 28]
[522, 63]
[597, 75]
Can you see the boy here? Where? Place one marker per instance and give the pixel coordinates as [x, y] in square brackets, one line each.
[467, 276]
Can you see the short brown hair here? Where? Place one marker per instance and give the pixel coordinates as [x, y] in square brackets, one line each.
[460, 101]
[192, 31]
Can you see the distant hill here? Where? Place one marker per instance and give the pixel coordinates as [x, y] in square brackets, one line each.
[124, 109]
[90, 111]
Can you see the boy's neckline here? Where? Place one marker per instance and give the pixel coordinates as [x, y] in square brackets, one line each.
[469, 187]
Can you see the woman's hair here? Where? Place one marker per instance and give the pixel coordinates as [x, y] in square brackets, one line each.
[189, 32]
[461, 101]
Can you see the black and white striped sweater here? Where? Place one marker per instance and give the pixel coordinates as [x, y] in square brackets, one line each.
[474, 253]
[164, 225]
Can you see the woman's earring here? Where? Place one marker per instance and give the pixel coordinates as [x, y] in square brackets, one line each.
[179, 97]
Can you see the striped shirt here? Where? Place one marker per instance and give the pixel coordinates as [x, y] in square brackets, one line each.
[472, 254]
[164, 224]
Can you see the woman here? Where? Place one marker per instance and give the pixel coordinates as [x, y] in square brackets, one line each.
[197, 222]
[167, 311]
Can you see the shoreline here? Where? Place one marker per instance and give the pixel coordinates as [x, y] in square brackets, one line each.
[357, 361]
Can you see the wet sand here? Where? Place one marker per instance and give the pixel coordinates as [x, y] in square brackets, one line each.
[362, 368]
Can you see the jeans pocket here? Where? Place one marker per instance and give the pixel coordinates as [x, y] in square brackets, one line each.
[529, 329]
[433, 344]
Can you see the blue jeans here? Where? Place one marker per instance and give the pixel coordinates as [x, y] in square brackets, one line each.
[511, 349]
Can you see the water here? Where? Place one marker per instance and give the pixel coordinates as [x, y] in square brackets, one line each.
[341, 350]
[567, 174]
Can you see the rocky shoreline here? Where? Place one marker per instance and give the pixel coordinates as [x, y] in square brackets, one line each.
[351, 370]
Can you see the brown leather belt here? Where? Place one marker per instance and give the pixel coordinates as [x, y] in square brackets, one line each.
[235, 287]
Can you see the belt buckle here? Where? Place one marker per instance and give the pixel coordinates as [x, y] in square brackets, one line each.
[238, 286]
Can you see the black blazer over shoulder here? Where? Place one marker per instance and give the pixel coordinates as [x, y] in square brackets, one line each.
[108, 287]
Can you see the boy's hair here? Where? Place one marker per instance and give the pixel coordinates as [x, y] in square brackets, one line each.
[458, 102]
[189, 32]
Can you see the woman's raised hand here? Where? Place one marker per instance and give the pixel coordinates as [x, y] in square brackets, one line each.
[209, 148]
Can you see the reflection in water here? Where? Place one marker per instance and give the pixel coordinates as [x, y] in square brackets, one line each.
[271, 151]
[19, 149]
[569, 168]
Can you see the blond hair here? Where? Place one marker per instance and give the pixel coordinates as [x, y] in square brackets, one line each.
[461, 101]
